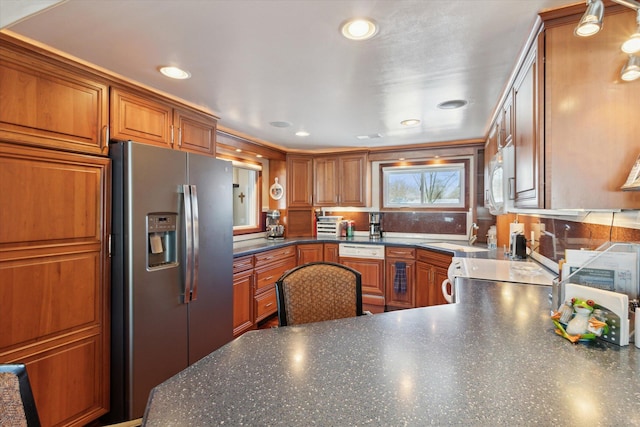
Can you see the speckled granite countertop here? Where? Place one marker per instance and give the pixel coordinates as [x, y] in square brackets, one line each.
[491, 359]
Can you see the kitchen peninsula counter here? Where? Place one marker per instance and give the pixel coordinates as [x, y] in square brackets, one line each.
[490, 359]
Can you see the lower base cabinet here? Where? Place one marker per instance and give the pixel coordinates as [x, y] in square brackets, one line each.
[431, 271]
[400, 277]
[372, 271]
[242, 295]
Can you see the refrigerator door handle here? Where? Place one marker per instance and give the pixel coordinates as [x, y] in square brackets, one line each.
[196, 243]
[188, 232]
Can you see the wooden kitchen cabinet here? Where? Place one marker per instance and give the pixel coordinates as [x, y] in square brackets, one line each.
[372, 271]
[341, 180]
[269, 266]
[528, 144]
[396, 257]
[590, 115]
[299, 181]
[331, 252]
[243, 304]
[310, 252]
[50, 104]
[144, 118]
[431, 271]
[54, 278]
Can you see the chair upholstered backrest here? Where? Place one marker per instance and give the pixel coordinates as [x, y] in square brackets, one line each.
[318, 291]
[17, 406]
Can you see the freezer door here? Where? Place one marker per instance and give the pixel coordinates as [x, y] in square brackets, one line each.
[211, 309]
[157, 336]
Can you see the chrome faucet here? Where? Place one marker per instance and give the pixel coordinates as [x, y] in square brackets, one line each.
[473, 234]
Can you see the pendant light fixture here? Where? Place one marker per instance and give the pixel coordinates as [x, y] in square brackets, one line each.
[591, 21]
[631, 71]
[632, 45]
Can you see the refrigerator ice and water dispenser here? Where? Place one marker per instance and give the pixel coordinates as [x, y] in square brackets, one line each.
[162, 251]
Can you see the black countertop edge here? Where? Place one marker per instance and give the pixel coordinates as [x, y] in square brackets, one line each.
[254, 246]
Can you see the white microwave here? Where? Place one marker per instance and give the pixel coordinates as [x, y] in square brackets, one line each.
[501, 185]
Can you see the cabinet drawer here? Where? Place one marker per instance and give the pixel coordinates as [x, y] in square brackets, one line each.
[270, 275]
[242, 264]
[274, 255]
[434, 258]
[266, 304]
[400, 252]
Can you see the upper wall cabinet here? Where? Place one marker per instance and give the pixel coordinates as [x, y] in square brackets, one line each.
[591, 116]
[299, 181]
[528, 146]
[152, 121]
[50, 104]
[341, 180]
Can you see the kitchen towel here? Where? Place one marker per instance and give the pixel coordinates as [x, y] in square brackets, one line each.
[400, 280]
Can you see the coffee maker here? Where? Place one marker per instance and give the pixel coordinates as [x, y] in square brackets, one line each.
[375, 231]
[275, 230]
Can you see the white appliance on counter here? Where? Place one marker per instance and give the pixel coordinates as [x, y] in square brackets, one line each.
[528, 272]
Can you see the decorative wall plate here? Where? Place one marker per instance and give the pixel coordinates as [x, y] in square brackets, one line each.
[276, 191]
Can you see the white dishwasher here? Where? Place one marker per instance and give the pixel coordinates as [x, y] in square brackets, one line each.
[369, 261]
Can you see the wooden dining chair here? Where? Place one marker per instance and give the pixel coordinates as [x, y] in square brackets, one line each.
[318, 291]
[17, 405]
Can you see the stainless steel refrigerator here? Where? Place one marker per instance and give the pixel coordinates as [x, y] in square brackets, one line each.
[172, 256]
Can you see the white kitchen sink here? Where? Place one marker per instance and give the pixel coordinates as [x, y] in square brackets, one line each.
[455, 247]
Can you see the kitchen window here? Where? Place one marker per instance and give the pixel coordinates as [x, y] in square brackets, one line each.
[440, 185]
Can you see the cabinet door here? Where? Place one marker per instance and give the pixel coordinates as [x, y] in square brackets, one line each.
[526, 139]
[440, 274]
[196, 132]
[394, 298]
[353, 180]
[140, 119]
[372, 271]
[424, 282]
[326, 186]
[311, 252]
[49, 106]
[490, 150]
[331, 252]
[299, 181]
[242, 302]
[54, 277]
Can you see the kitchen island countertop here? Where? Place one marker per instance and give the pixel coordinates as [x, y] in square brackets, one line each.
[490, 359]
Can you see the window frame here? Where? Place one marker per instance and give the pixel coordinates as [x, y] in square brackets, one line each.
[463, 163]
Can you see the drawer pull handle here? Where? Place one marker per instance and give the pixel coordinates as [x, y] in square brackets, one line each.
[268, 305]
[268, 278]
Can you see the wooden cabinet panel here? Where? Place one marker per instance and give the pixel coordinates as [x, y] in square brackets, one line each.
[266, 304]
[242, 302]
[56, 199]
[140, 119]
[299, 181]
[331, 252]
[269, 276]
[354, 175]
[69, 382]
[397, 257]
[310, 252]
[431, 270]
[590, 116]
[44, 105]
[341, 180]
[325, 181]
[274, 255]
[526, 139]
[372, 271]
[54, 276]
[41, 298]
[196, 132]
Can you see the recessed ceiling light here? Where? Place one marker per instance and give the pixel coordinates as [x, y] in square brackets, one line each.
[238, 150]
[359, 28]
[410, 122]
[175, 73]
[280, 124]
[259, 155]
[371, 136]
[302, 133]
[453, 104]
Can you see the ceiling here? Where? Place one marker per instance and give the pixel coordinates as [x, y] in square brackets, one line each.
[254, 62]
